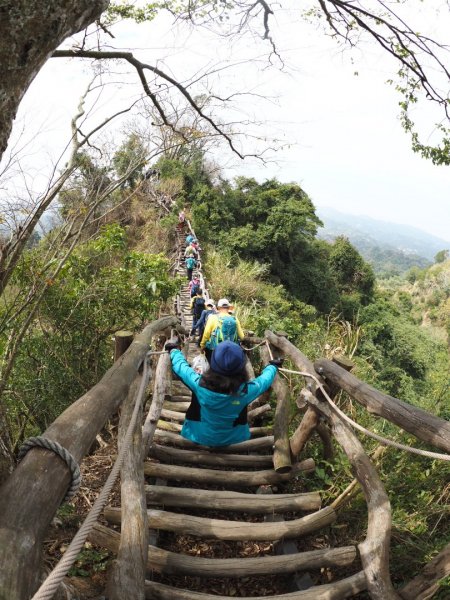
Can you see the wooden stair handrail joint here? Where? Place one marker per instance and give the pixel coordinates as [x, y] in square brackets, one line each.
[422, 424]
[374, 550]
[31, 495]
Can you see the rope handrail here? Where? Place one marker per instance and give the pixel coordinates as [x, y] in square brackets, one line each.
[375, 436]
[48, 588]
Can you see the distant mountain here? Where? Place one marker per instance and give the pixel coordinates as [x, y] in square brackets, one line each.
[389, 247]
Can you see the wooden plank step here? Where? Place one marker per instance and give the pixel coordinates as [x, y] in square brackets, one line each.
[338, 590]
[171, 563]
[202, 457]
[180, 406]
[176, 427]
[256, 444]
[231, 501]
[169, 426]
[221, 529]
[174, 415]
[232, 478]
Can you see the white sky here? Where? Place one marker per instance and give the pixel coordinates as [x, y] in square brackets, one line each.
[347, 148]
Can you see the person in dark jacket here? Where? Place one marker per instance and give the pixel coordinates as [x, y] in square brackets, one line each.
[217, 415]
[201, 323]
[197, 306]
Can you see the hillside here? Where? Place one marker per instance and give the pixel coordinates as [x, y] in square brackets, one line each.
[389, 247]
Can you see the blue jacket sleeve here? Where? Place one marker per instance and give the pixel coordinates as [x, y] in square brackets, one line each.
[185, 372]
[260, 384]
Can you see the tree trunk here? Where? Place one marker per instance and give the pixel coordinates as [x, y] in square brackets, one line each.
[30, 30]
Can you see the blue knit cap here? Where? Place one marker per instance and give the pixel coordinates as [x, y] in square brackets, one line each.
[228, 359]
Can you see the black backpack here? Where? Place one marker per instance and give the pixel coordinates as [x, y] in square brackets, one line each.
[199, 306]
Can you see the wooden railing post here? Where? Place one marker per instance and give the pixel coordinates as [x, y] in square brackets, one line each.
[282, 462]
[122, 341]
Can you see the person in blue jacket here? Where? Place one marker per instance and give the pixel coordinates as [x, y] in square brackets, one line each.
[217, 415]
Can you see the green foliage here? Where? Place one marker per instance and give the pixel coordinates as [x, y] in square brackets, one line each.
[129, 160]
[86, 185]
[102, 288]
[441, 256]
[129, 10]
[352, 274]
[90, 561]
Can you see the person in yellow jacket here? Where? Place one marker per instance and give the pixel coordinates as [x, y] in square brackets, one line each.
[220, 327]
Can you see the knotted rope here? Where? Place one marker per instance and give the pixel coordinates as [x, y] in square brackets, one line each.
[51, 584]
[43, 442]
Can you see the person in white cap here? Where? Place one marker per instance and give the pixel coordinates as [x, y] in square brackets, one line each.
[201, 323]
[219, 328]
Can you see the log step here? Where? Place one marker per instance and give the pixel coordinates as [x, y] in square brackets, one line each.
[231, 501]
[256, 444]
[176, 427]
[180, 406]
[220, 529]
[174, 415]
[232, 478]
[338, 590]
[169, 455]
[171, 563]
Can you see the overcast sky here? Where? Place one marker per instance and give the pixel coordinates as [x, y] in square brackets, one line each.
[346, 147]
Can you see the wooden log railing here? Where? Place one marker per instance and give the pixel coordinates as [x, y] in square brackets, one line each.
[374, 550]
[282, 462]
[33, 492]
[311, 418]
[420, 423]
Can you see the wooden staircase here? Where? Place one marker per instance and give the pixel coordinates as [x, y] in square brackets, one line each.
[220, 521]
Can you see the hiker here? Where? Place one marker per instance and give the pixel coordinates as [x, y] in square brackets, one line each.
[217, 415]
[190, 251]
[201, 323]
[197, 306]
[194, 244]
[194, 285]
[181, 219]
[220, 327]
[189, 239]
[190, 263]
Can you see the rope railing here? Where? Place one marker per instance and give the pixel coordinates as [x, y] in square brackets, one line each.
[49, 587]
[347, 419]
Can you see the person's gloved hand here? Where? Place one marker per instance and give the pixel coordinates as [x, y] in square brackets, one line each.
[169, 346]
[276, 362]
